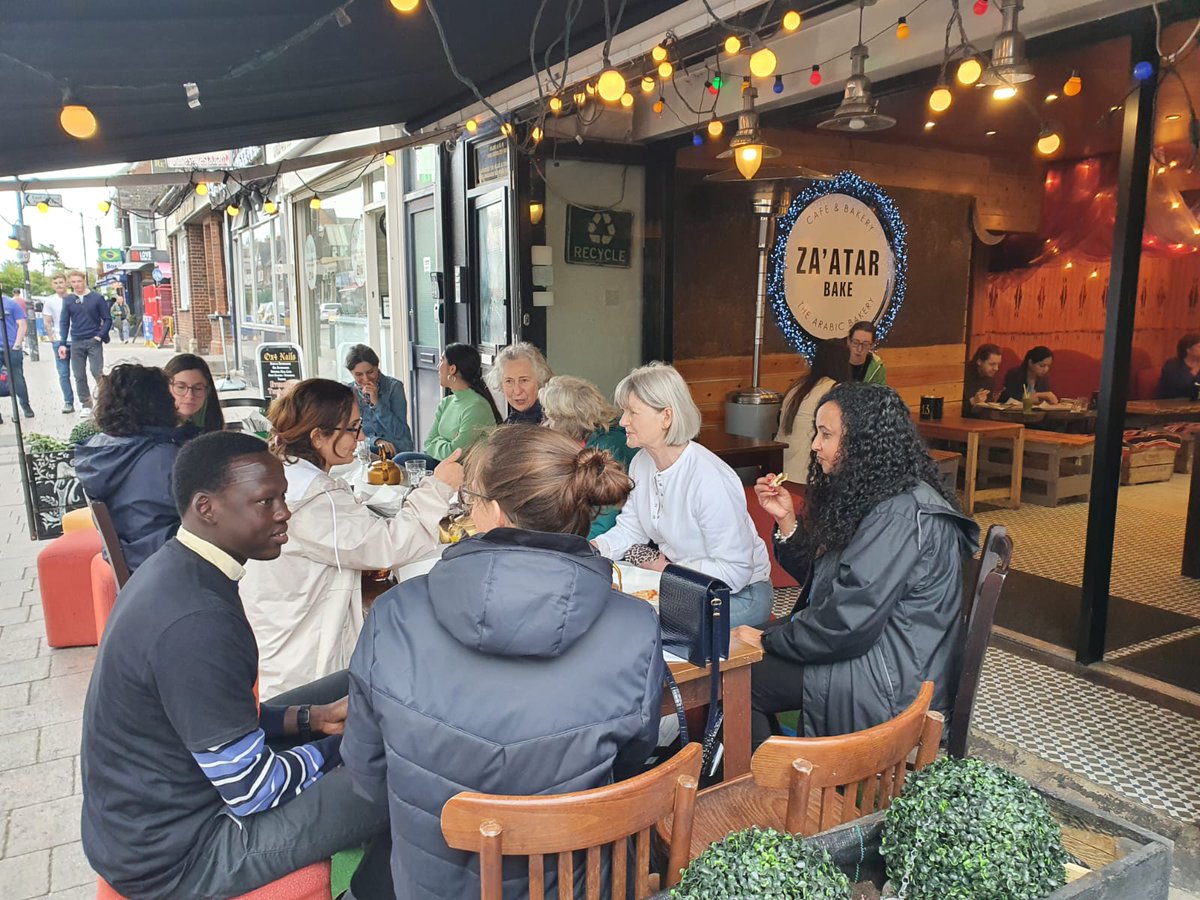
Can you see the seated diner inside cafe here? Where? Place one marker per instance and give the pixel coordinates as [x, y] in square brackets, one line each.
[1031, 378]
[979, 378]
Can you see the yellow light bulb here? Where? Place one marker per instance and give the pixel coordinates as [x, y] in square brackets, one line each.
[648, 85]
[659, 106]
[732, 44]
[232, 211]
[902, 29]
[555, 105]
[580, 98]
[535, 134]
[14, 244]
[43, 207]
[791, 20]
[77, 121]
[627, 99]
[715, 128]
[472, 126]
[659, 53]
[1004, 92]
[611, 85]
[104, 206]
[536, 211]
[969, 71]
[389, 159]
[763, 62]
[1049, 143]
[748, 159]
[269, 207]
[201, 189]
[940, 98]
[590, 88]
[665, 69]
[1073, 85]
[404, 6]
[314, 203]
[506, 129]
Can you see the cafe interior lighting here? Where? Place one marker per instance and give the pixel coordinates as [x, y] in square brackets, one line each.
[269, 207]
[902, 29]
[472, 126]
[659, 53]
[980, 8]
[858, 111]
[611, 85]
[715, 127]
[969, 71]
[76, 119]
[814, 77]
[791, 20]
[1050, 98]
[929, 125]
[763, 63]
[746, 147]
[1009, 64]
[555, 105]
[1073, 85]
[536, 134]
[940, 97]
[580, 99]
[1004, 92]
[233, 210]
[536, 211]
[627, 100]
[201, 189]
[648, 85]
[1173, 117]
[389, 159]
[506, 129]
[1049, 140]
[405, 6]
[659, 106]
[665, 69]
[733, 45]
[777, 87]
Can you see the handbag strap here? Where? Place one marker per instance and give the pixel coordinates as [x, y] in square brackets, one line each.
[678, 698]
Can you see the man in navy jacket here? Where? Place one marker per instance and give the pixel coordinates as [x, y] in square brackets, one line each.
[84, 325]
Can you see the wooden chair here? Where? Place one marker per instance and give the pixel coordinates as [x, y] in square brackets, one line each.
[807, 785]
[979, 610]
[108, 538]
[496, 826]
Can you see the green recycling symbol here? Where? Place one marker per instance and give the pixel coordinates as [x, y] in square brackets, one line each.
[601, 229]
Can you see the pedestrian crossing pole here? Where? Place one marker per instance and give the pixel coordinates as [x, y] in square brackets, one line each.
[26, 480]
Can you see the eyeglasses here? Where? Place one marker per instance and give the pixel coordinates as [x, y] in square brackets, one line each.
[470, 497]
[179, 389]
[861, 345]
[354, 429]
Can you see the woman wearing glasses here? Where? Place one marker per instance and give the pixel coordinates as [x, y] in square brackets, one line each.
[194, 392]
[306, 606]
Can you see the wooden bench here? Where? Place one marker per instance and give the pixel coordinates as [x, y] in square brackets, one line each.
[1057, 466]
[947, 462]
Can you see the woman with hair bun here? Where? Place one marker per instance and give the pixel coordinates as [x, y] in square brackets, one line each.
[473, 677]
[881, 548]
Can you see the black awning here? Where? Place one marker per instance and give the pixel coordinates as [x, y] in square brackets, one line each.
[129, 59]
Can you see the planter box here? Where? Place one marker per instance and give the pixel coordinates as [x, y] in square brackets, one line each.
[1126, 862]
[56, 490]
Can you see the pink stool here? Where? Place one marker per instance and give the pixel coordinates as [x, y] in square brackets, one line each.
[65, 580]
[104, 593]
[309, 883]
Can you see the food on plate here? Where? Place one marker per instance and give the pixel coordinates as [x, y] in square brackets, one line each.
[651, 595]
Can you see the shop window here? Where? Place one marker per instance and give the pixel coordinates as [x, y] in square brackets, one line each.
[182, 281]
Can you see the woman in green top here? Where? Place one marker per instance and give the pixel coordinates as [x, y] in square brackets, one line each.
[195, 393]
[469, 412]
[578, 409]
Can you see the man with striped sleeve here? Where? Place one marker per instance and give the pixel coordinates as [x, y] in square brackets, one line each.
[187, 788]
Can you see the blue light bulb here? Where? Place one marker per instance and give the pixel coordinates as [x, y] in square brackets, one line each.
[1143, 70]
[778, 87]
[696, 139]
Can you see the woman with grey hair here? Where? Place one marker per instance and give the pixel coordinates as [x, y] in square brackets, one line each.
[685, 499]
[576, 407]
[520, 371]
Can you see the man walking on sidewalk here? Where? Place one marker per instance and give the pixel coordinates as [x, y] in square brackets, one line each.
[84, 325]
[52, 315]
[15, 325]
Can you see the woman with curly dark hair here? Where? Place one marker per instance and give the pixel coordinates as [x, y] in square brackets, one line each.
[128, 464]
[880, 549]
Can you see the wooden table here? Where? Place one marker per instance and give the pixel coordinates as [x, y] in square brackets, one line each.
[969, 432]
[741, 452]
[1082, 422]
[1191, 531]
[735, 692]
[1163, 410]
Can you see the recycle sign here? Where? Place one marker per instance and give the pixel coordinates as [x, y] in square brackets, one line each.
[601, 229]
[599, 237]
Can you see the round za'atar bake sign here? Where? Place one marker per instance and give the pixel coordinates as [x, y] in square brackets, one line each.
[838, 259]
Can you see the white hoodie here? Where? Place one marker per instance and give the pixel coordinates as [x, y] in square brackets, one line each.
[306, 606]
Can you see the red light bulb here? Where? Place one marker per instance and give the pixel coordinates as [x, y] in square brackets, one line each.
[815, 78]
[981, 7]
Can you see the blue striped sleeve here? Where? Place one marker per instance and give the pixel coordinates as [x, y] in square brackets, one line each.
[251, 777]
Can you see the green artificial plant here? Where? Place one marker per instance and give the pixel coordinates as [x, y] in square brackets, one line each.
[964, 828]
[83, 431]
[758, 864]
[44, 443]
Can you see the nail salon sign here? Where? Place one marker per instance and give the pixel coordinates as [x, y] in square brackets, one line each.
[839, 258]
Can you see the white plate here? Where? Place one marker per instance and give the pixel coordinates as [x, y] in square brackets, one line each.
[637, 579]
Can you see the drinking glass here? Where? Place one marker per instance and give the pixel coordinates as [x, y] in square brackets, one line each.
[416, 471]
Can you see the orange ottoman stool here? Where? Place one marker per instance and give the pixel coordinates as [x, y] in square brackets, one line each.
[104, 593]
[309, 883]
[65, 580]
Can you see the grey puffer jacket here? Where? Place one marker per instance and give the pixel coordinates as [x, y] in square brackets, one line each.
[884, 614]
[513, 667]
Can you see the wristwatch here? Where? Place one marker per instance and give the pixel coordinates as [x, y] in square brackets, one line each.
[304, 722]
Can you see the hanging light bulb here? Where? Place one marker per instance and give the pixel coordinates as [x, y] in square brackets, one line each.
[902, 29]
[590, 88]
[733, 44]
[555, 105]
[778, 86]
[697, 140]
[472, 126]
[748, 159]
[535, 134]
[791, 20]
[1143, 70]
[1073, 85]
[232, 210]
[1049, 141]
[665, 69]
[969, 71]
[718, 82]
[1004, 92]
[536, 210]
[859, 110]
[746, 146]
[389, 159]
[104, 206]
[763, 62]
[77, 120]
[815, 78]
[715, 127]
[269, 208]
[506, 129]
[659, 106]
[404, 6]
[659, 53]
[940, 97]
[1009, 64]
[201, 189]
[980, 7]
[611, 85]
[580, 98]
[43, 207]
[14, 244]
[627, 100]
[314, 203]
[648, 85]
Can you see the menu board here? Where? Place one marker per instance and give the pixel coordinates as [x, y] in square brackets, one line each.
[280, 366]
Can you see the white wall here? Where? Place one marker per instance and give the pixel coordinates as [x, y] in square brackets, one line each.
[594, 328]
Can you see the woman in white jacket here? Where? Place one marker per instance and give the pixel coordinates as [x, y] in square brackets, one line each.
[306, 606]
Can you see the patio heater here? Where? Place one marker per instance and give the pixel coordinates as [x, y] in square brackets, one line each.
[754, 411]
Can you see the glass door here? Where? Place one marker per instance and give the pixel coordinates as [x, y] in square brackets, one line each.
[426, 314]
[490, 252]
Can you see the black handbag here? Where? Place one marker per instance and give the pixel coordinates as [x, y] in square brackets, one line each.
[693, 612]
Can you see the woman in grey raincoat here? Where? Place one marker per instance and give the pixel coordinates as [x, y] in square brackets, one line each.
[880, 549]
